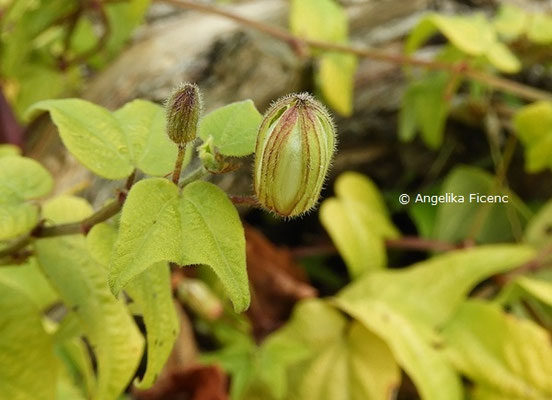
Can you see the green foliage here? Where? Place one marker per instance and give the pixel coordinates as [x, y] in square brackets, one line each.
[29, 280]
[486, 223]
[24, 374]
[533, 125]
[506, 358]
[21, 179]
[326, 20]
[358, 223]
[112, 145]
[44, 43]
[152, 294]
[512, 22]
[198, 226]
[425, 108]
[233, 128]
[345, 360]
[82, 285]
[472, 34]
[405, 307]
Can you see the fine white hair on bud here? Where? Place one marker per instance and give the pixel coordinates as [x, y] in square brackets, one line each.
[295, 146]
[183, 110]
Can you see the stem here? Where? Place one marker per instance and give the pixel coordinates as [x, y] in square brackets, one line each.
[196, 174]
[244, 200]
[83, 227]
[299, 45]
[403, 243]
[178, 164]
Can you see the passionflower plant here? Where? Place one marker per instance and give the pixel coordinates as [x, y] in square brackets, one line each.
[183, 111]
[295, 145]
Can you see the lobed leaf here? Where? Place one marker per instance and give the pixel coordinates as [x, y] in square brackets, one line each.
[339, 359]
[405, 307]
[506, 358]
[358, 222]
[198, 226]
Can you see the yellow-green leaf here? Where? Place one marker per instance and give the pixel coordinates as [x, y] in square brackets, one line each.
[28, 368]
[511, 21]
[508, 357]
[82, 285]
[533, 124]
[198, 226]
[540, 28]
[152, 293]
[319, 20]
[358, 223]
[405, 307]
[21, 179]
[336, 78]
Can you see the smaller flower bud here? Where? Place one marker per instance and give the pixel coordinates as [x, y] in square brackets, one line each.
[295, 145]
[183, 109]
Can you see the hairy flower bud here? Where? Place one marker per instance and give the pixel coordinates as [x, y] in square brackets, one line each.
[294, 150]
[183, 109]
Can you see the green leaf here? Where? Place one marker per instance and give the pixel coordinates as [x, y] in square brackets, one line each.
[123, 18]
[425, 108]
[198, 226]
[346, 360]
[335, 78]
[113, 144]
[538, 232]
[511, 21]
[500, 56]
[21, 179]
[143, 124]
[533, 124]
[405, 307]
[233, 128]
[537, 288]
[358, 222]
[38, 82]
[540, 28]
[78, 374]
[152, 293]
[65, 209]
[28, 278]
[488, 222]
[82, 285]
[319, 20]
[473, 34]
[100, 241]
[507, 357]
[28, 368]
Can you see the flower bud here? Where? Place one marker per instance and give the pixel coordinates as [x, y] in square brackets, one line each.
[183, 109]
[295, 145]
